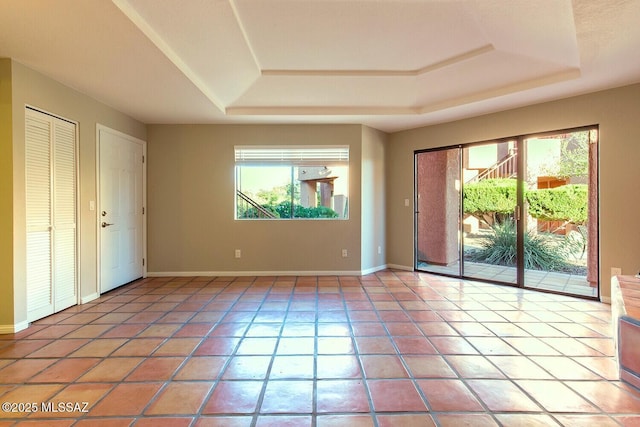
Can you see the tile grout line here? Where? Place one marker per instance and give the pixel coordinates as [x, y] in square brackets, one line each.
[386, 287]
[365, 383]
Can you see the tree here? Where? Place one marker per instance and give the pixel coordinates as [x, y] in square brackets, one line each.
[574, 157]
[278, 194]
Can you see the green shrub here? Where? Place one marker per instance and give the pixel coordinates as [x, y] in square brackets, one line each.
[284, 211]
[322, 212]
[499, 248]
[490, 200]
[493, 201]
[252, 212]
[567, 203]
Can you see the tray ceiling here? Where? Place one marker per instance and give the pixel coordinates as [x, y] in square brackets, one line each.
[390, 64]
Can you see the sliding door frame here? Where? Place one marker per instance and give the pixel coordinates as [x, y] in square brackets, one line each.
[520, 208]
[416, 205]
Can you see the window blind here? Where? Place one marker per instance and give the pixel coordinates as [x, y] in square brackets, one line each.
[291, 155]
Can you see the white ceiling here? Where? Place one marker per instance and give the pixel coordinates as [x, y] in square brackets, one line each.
[390, 64]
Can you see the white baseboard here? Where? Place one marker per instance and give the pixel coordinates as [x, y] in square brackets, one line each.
[89, 298]
[250, 273]
[400, 267]
[12, 329]
[372, 270]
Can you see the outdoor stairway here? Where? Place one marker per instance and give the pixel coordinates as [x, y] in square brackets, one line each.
[260, 211]
[506, 167]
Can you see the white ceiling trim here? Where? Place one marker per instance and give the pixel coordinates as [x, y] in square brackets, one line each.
[243, 30]
[323, 110]
[135, 17]
[449, 103]
[454, 60]
[501, 91]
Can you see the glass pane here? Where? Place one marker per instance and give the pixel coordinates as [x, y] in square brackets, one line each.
[557, 242]
[260, 189]
[321, 192]
[489, 198]
[287, 192]
[438, 211]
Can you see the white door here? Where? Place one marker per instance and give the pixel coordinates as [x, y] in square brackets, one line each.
[120, 213]
[38, 136]
[50, 154]
[64, 215]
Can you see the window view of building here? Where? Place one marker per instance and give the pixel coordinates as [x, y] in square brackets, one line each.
[292, 182]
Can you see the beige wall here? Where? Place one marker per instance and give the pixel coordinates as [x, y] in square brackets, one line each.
[191, 225]
[191, 186]
[6, 195]
[33, 89]
[617, 111]
[373, 199]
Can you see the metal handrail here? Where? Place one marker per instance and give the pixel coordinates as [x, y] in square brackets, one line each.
[505, 168]
[262, 212]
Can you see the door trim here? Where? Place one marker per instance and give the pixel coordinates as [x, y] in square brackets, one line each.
[103, 128]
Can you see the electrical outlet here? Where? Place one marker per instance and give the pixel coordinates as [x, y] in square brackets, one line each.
[616, 271]
[379, 250]
[238, 253]
[345, 253]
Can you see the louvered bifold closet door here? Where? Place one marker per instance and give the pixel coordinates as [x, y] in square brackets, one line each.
[38, 135]
[64, 214]
[51, 188]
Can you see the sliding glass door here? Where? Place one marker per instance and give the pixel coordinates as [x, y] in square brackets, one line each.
[561, 222]
[490, 177]
[438, 211]
[520, 211]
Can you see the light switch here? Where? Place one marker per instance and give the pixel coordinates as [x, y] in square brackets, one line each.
[92, 205]
[406, 202]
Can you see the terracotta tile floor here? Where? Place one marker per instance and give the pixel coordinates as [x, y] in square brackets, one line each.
[387, 349]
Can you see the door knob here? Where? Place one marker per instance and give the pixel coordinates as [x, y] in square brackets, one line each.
[105, 224]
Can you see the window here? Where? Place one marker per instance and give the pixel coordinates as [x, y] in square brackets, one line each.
[292, 182]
